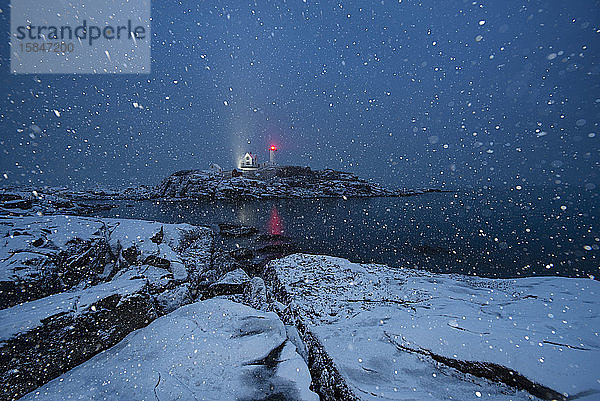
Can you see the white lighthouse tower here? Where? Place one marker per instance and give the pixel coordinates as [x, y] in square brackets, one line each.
[272, 151]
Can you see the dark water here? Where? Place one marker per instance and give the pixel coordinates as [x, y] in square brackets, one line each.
[486, 233]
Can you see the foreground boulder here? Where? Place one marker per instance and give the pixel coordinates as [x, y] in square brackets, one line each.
[41, 339]
[212, 350]
[374, 332]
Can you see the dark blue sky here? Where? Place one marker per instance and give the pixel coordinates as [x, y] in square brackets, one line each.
[413, 94]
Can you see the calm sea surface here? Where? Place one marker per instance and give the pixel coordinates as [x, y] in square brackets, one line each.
[488, 233]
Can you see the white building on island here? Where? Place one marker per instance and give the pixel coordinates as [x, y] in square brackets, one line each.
[248, 162]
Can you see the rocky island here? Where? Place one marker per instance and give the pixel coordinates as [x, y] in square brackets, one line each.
[272, 182]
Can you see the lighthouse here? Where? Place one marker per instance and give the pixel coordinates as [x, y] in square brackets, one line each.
[272, 151]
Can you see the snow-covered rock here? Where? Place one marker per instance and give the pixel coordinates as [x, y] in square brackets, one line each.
[209, 350]
[40, 256]
[375, 332]
[181, 249]
[43, 338]
[255, 293]
[170, 300]
[231, 283]
[72, 286]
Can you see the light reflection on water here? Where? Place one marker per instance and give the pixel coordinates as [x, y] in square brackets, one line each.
[275, 226]
[495, 234]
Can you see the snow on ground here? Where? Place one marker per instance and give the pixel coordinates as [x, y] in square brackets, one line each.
[389, 333]
[383, 327]
[209, 350]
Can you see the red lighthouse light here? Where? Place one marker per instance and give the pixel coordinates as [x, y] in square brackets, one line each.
[273, 148]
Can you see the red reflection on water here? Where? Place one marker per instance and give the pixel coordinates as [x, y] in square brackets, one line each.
[275, 223]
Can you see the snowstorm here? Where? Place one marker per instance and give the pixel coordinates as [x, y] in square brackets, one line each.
[299, 200]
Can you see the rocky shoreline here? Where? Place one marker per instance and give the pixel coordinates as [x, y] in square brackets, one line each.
[124, 307]
[72, 287]
[115, 308]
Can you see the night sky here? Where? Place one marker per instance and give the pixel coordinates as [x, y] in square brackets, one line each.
[411, 94]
